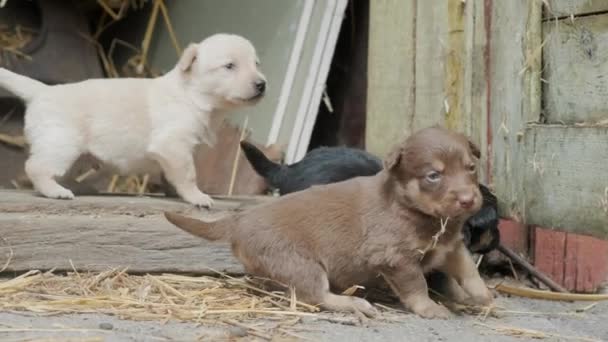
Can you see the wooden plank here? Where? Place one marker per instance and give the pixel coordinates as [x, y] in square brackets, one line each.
[454, 82]
[575, 261]
[514, 76]
[476, 80]
[95, 233]
[549, 248]
[575, 64]
[567, 8]
[143, 244]
[431, 51]
[391, 75]
[13, 201]
[515, 236]
[566, 178]
[585, 268]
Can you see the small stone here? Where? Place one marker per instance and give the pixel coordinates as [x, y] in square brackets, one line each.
[106, 326]
[237, 331]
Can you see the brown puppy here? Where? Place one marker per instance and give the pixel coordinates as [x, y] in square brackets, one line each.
[334, 236]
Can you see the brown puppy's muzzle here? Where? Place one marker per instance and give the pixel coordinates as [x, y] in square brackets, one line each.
[466, 199]
[461, 203]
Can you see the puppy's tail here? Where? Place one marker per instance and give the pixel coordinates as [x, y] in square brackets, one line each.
[211, 231]
[21, 86]
[261, 164]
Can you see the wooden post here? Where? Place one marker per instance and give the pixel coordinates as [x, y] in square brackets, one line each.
[391, 74]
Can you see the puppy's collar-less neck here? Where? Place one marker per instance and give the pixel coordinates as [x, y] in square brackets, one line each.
[201, 101]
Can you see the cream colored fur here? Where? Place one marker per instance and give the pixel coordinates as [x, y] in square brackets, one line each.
[138, 124]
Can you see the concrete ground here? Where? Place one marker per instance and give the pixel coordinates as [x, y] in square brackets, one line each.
[544, 320]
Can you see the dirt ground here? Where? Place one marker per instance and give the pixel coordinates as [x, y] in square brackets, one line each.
[544, 320]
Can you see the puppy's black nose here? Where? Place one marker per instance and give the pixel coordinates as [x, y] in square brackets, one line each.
[260, 86]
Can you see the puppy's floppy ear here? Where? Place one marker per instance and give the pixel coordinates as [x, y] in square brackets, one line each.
[393, 159]
[474, 149]
[188, 57]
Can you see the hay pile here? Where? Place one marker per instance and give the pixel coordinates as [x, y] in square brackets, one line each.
[236, 302]
[203, 300]
[146, 297]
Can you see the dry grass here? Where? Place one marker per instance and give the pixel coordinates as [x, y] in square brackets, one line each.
[434, 239]
[13, 39]
[165, 297]
[146, 297]
[227, 300]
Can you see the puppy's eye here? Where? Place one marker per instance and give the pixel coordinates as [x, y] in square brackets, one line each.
[230, 66]
[471, 168]
[433, 177]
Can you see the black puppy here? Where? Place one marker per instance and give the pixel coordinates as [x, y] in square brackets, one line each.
[326, 165]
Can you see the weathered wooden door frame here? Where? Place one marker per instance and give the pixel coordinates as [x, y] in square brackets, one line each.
[476, 67]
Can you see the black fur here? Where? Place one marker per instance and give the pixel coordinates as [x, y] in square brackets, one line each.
[326, 165]
[322, 165]
[481, 232]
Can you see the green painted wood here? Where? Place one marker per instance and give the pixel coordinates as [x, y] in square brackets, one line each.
[566, 8]
[566, 178]
[575, 69]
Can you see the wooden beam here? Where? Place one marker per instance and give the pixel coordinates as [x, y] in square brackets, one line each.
[391, 73]
[514, 76]
[475, 82]
[432, 48]
[97, 233]
[565, 178]
[575, 90]
[455, 117]
[567, 8]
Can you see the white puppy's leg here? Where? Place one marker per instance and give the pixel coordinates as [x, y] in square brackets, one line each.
[180, 172]
[44, 165]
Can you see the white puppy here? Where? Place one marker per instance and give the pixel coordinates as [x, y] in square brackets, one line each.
[136, 124]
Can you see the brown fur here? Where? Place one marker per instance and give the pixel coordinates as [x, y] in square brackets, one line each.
[334, 236]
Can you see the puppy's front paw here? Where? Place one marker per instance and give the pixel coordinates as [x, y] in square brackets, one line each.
[429, 309]
[62, 193]
[485, 298]
[479, 292]
[364, 307]
[200, 200]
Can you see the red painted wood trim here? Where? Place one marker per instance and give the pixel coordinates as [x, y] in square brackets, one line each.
[577, 262]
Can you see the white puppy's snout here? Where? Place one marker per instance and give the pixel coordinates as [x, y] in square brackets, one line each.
[260, 86]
